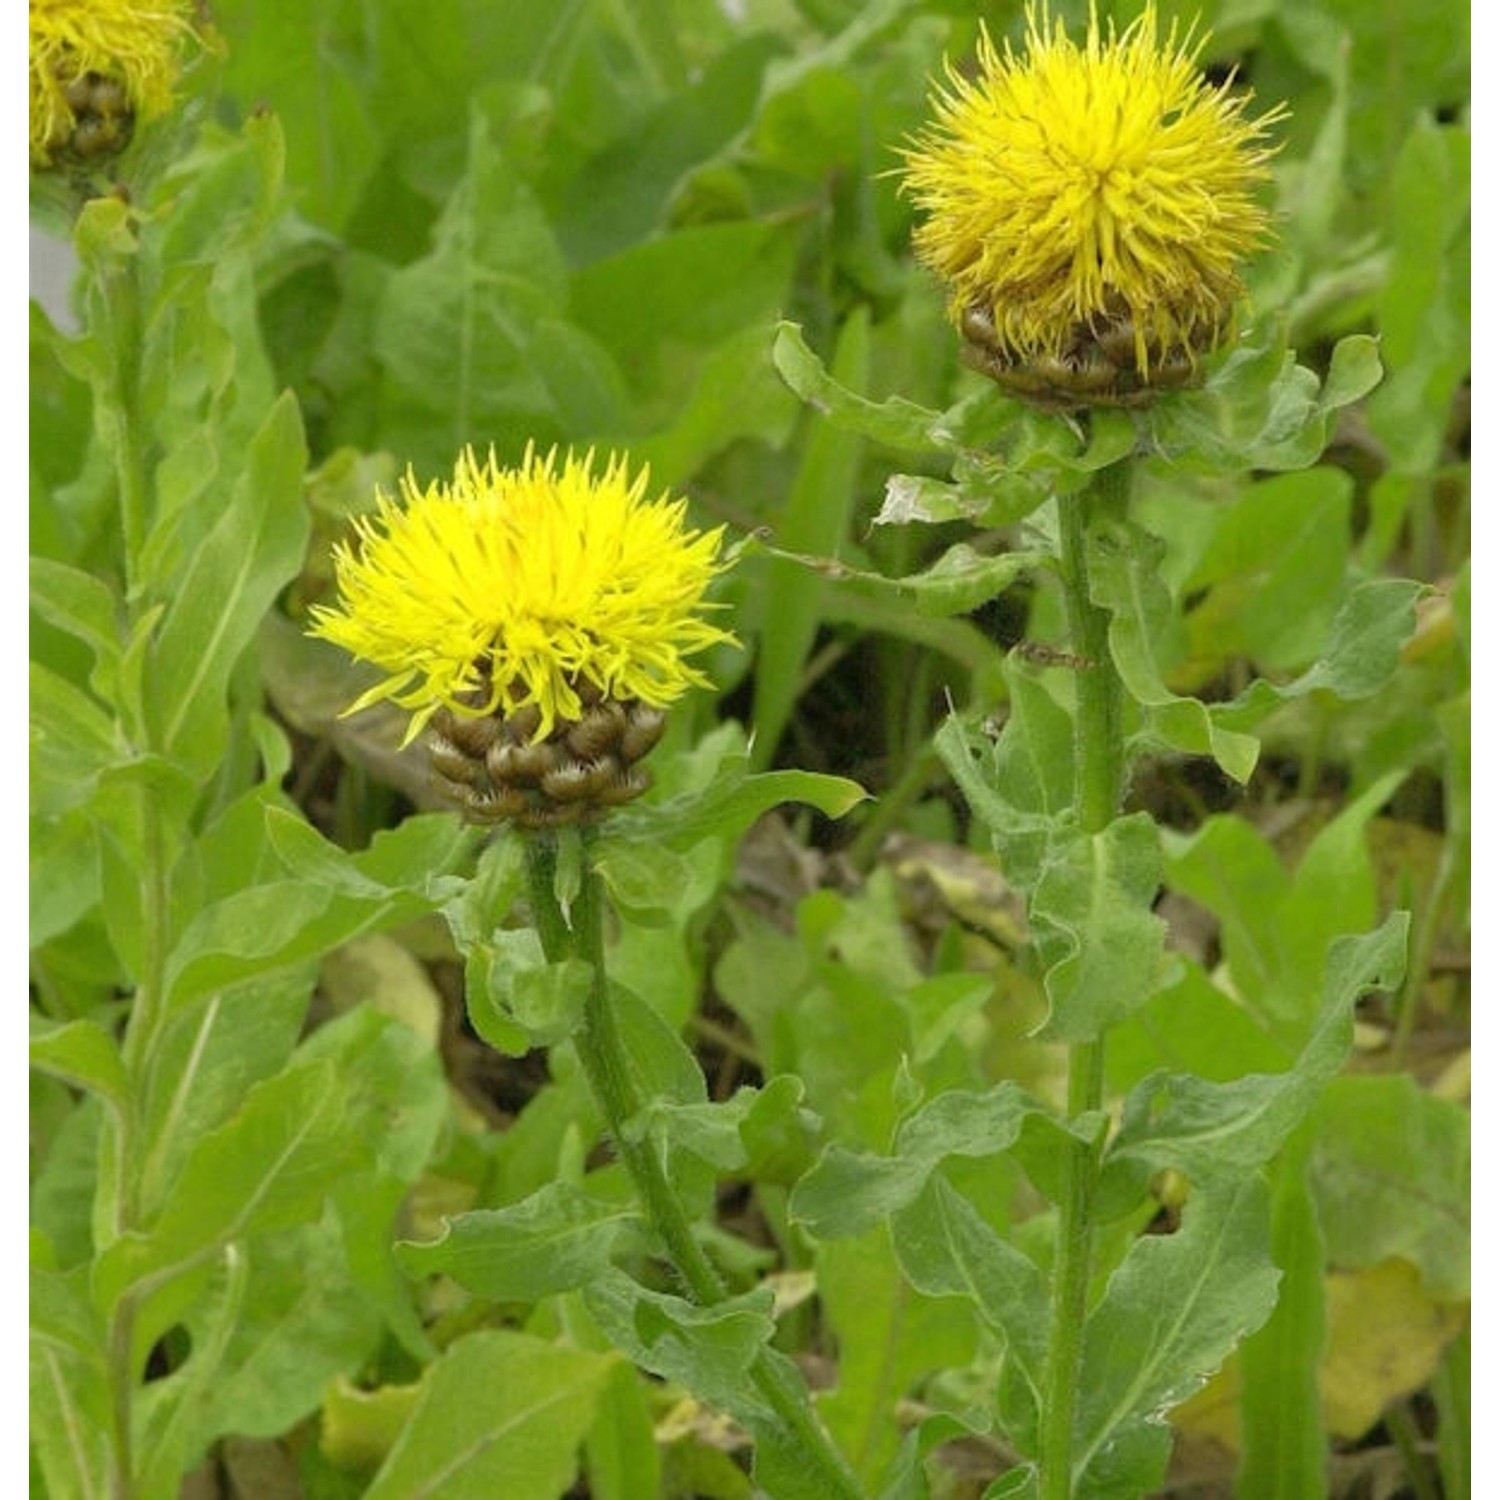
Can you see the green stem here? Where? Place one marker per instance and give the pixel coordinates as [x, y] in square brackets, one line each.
[606, 1064]
[122, 308]
[1099, 776]
[122, 1393]
[1098, 740]
[120, 415]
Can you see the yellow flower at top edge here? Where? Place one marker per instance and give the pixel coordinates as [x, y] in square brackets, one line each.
[1079, 192]
[99, 67]
[538, 588]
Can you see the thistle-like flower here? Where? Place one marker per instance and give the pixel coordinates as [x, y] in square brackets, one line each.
[1088, 207]
[98, 69]
[536, 620]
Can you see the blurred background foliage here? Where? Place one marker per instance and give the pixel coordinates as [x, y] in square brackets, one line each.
[581, 223]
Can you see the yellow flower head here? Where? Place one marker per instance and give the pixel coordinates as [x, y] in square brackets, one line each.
[98, 67]
[542, 587]
[1076, 192]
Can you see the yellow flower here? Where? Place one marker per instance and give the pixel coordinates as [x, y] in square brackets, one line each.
[1089, 205]
[98, 67]
[529, 594]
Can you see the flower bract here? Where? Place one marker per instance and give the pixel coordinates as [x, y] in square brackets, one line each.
[97, 68]
[1075, 191]
[540, 588]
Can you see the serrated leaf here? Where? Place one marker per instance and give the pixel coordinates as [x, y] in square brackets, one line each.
[556, 1240]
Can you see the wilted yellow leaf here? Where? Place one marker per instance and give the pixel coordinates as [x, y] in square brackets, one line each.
[1385, 1338]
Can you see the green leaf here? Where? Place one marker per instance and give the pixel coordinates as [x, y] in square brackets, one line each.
[662, 304]
[621, 1455]
[848, 1192]
[889, 1338]
[1094, 929]
[1365, 641]
[469, 337]
[1389, 1169]
[302, 1322]
[1214, 1132]
[521, 1440]
[1276, 929]
[1274, 572]
[816, 520]
[1260, 409]
[70, 1394]
[709, 1351]
[405, 858]
[556, 1240]
[646, 878]
[78, 603]
[73, 740]
[544, 999]
[663, 1067]
[307, 58]
[1170, 1315]
[1021, 785]
[259, 929]
[1123, 572]
[1284, 1447]
[947, 1250]
[270, 1166]
[1354, 370]
[83, 1054]
[207, 1056]
[1190, 1026]
[63, 867]
[896, 422]
[727, 808]
[725, 1133]
[254, 549]
[906, 1479]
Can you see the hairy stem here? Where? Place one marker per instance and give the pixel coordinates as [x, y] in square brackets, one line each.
[606, 1064]
[1099, 774]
